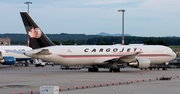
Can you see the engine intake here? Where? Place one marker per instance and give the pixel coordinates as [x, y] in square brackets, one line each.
[140, 63]
[7, 60]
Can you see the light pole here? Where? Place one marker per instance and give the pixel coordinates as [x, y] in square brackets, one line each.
[122, 10]
[28, 13]
[28, 5]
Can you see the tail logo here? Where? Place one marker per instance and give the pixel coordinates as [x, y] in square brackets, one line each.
[35, 33]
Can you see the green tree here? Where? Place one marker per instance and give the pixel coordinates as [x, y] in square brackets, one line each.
[150, 42]
[161, 42]
[56, 42]
[69, 42]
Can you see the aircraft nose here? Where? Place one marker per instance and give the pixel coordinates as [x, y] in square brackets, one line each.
[174, 55]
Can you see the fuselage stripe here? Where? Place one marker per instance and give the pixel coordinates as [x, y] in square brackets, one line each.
[113, 56]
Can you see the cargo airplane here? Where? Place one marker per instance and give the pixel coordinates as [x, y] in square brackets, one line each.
[9, 57]
[97, 56]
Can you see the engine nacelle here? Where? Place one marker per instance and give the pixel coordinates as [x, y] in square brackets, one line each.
[140, 63]
[8, 60]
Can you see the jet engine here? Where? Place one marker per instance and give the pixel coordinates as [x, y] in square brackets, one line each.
[7, 60]
[140, 63]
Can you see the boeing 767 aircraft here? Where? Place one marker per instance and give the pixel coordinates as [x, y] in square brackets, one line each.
[95, 55]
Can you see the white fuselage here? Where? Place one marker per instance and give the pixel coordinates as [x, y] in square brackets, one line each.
[91, 54]
[7, 51]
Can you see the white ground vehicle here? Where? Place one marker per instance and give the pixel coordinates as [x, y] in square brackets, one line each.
[39, 62]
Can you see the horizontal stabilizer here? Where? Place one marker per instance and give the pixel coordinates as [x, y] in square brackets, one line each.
[44, 52]
[37, 52]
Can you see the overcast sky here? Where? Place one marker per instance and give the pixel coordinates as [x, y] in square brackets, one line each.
[142, 17]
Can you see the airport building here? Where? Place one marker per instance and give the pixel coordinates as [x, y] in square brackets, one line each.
[5, 41]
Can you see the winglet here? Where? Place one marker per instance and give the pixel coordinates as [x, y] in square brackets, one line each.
[37, 38]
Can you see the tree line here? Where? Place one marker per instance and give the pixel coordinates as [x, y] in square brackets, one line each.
[82, 39]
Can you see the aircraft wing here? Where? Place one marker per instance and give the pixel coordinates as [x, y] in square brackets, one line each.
[130, 57]
[125, 58]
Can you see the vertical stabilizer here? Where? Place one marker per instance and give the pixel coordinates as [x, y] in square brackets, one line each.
[37, 38]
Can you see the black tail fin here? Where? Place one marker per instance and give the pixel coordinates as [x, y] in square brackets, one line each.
[37, 38]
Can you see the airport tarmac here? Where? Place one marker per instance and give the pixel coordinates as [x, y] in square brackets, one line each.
[128, 81]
